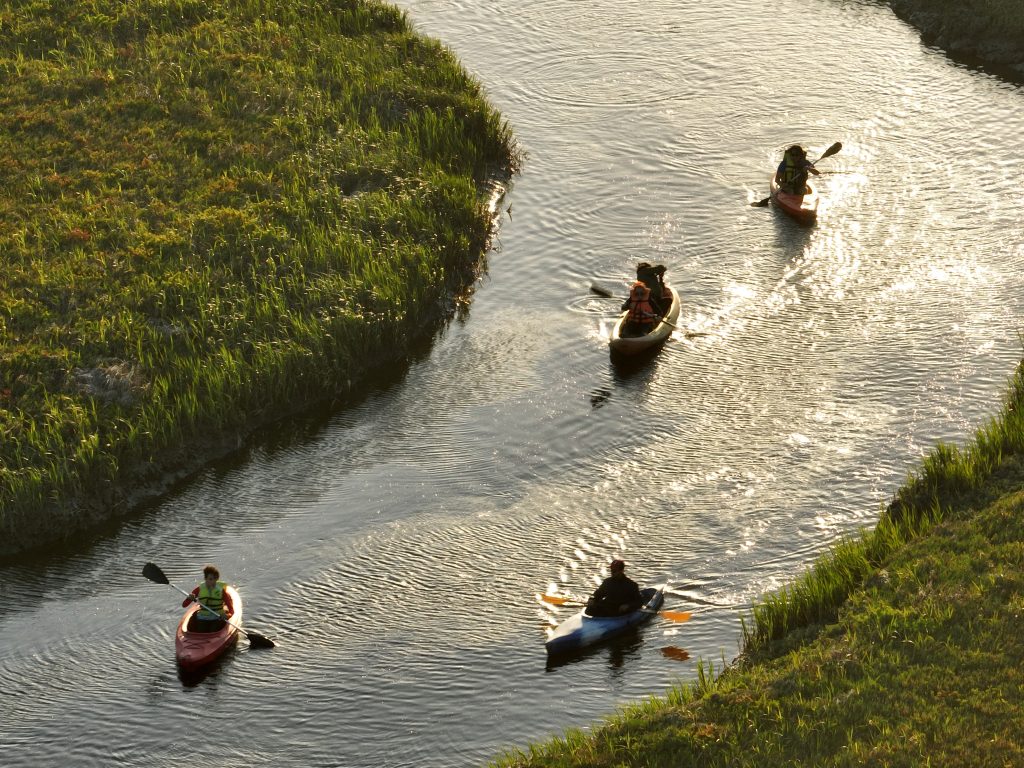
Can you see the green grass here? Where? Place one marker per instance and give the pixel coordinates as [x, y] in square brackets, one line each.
[901, 647]
[213, 212]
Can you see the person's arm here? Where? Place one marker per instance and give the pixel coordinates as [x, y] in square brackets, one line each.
[637, 598]
[190, 598]
[229, 607]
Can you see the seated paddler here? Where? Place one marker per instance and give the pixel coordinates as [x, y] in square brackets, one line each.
[641, 316]
[653, 276]
[791, 175]
[617, 595]
[213, 595]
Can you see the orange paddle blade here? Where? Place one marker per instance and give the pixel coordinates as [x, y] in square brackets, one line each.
[676, 615]
[555, 599]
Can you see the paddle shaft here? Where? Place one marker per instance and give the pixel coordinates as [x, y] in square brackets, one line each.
[609, 295]
[687, 334]
[576, 603]
[152, 572]
[827, 153]
[670, 325]
[208, 610]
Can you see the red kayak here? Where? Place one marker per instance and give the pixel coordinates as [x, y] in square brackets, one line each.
[197, 649]
[803, 208]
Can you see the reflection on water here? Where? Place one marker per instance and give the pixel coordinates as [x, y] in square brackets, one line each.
[614, 655]
[393, 548]
[675, 652]
[208, 675]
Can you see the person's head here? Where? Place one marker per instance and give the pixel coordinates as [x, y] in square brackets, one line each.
[618, 566]
[211, 574]
[642, 268]
[797, 151]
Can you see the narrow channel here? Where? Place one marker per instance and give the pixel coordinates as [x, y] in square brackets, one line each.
[394, 549]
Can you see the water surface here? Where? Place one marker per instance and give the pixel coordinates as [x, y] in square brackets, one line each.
[394, 549]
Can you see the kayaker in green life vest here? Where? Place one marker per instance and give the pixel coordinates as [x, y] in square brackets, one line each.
[791, 175]
[618, 594]
[212, 594]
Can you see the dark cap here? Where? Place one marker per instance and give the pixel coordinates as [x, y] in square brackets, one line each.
[618, 565]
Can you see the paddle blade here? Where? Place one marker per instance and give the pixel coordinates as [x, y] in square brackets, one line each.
[761, 203]
[601, 291]
[831, 150]
[676, 615]
[555, 599]
[256, 640]
[152, 572]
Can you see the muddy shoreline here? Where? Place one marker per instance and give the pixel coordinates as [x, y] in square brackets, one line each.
[967, 34]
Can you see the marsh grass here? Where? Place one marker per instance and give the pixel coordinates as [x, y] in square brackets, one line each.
[900, 647]
[213, 212]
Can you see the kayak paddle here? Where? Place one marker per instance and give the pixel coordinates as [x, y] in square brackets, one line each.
[679, 616]
[152, 572]
[827, 153]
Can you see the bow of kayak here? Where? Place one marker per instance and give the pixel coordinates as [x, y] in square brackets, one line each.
[803, 208]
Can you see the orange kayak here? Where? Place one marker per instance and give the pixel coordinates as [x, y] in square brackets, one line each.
[803, 208]
[197, 649]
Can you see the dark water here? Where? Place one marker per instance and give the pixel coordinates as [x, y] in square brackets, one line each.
[394, 550]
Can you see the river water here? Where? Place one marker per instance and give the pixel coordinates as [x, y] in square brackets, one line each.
[394, 549]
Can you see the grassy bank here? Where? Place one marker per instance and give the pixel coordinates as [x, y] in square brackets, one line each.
[985, 32]
[902, 647]
[213, 213]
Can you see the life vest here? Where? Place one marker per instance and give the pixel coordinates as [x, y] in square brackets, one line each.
[641, 310]
[794, 173]
[212, 599]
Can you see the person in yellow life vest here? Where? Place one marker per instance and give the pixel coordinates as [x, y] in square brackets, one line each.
[212, 594]
[791, 175]
[641, 317]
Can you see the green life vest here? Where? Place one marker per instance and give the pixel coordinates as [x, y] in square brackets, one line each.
[212, 599]
[792, 172]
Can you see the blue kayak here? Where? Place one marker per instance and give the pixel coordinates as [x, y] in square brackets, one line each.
[581, 631]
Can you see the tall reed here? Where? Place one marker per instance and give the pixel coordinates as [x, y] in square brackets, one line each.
[213, 213]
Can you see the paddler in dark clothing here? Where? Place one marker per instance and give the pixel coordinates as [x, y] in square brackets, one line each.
[661, 296]
[618, 594]
[653, 276]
